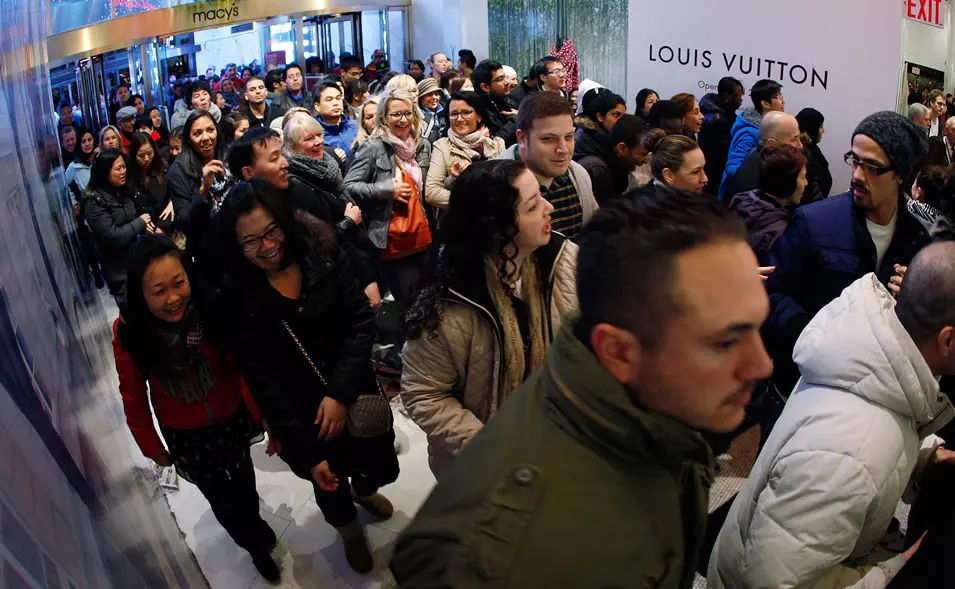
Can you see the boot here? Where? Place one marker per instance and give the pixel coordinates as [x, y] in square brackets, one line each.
[357, 552]
[378, 505]
[269, 539]
[266, 566]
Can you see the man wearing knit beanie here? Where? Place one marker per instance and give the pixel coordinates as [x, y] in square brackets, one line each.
[832, 243]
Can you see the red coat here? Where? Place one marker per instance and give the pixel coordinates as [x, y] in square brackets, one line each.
[229, 392]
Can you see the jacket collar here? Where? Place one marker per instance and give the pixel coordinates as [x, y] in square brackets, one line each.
[337, 129]
[909, 234]
[589, 404]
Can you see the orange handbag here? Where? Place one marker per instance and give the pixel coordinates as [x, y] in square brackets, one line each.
[408, 230]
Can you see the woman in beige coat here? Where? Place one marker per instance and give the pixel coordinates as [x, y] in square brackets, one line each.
[492, 295]
[468, 141]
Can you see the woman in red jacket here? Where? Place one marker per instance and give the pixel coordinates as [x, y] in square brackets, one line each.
[166, 338]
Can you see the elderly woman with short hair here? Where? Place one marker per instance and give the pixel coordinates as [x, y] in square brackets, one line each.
[313, 166]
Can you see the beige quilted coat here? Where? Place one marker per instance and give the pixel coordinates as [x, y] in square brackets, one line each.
[450, 383]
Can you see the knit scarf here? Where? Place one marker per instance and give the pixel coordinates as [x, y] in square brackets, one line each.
[405, 150]
[186, 374]
[477, 145]
[323, 172]
[515, 361]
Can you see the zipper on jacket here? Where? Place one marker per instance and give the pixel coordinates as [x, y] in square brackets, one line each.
[497, 333]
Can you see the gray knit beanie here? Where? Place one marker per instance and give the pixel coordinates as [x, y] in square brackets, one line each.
[901, 139]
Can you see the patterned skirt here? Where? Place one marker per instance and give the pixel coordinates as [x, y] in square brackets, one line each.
[214, 453]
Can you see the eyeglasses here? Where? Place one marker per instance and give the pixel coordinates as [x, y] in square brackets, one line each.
[463, 114]
[557, 72]
[499, 79]
[854, 162]
[253, 244]
[397, 116]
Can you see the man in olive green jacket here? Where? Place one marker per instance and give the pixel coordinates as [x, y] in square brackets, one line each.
[593, 473]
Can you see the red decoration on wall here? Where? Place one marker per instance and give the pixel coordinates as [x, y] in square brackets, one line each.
[568, 56]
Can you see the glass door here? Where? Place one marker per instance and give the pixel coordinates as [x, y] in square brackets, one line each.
[339, 34]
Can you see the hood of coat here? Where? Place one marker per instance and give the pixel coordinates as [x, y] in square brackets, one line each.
[757, 210]
[710, 105]
[748, 117]
[857, 344]
[588, 140]
[590, 404]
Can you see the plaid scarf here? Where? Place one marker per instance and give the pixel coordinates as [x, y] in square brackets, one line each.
[186, 374]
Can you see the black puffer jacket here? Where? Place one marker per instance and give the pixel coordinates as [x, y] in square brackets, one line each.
[498, 123]
[715, 138]
[115, 224]
[592, 150]
[316, 186]
[334, 323]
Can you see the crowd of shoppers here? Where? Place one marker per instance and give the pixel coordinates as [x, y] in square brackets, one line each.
[572, 411]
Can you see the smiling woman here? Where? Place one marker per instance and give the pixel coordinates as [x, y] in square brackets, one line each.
[300, 325]
[196, 183]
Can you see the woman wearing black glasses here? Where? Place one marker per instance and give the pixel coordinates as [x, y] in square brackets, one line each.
[302, 331]
[386, 179]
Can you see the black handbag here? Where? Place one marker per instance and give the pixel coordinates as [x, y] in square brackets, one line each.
[370, 415]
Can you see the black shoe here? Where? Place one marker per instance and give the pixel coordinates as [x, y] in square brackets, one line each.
[99, 283]
[266, 566]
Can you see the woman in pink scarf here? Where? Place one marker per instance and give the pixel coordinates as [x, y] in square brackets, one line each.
[389, 169]
[468, 141]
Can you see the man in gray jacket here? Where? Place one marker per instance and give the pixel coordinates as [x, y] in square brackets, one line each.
[545, 142]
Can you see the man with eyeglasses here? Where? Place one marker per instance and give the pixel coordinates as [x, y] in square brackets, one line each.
[491, 85]
[546, 75]
[834, 242]
[295, 93]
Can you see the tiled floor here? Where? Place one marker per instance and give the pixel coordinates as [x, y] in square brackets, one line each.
[309, 551]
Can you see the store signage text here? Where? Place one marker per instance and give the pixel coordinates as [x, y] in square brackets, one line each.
[226, 13]
[742, 65]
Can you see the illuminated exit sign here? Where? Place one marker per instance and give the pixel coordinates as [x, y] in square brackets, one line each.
[929, 12]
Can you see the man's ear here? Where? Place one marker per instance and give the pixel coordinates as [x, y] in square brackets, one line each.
[621, 150]
[946, 344]
[246, 172]
[485, 88]
[618, 351]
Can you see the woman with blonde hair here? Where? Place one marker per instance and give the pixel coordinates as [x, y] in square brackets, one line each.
[402, 82]
[386, 177]
[366, 120]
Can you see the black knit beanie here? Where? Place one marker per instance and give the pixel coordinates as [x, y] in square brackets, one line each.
[901, 139]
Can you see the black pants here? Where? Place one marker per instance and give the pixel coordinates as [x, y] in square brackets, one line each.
[368, 465]
[235, 503]
[401, 277]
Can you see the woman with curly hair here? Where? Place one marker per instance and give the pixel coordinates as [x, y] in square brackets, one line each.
[492, 295]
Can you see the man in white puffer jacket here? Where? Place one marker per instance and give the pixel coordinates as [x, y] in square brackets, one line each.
[825, 486]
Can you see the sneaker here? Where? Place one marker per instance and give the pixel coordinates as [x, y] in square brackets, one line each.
[378, 505]
[266, 566]
[357, 552]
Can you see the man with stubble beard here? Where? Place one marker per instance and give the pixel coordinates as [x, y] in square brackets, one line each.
[832, 243]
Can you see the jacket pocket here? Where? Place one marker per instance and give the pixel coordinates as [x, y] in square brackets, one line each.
[502, 519]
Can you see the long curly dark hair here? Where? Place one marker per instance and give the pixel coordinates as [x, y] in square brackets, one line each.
[481, 220]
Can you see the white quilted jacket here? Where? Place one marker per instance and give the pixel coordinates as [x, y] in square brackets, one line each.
[826, 484]
[450, 383]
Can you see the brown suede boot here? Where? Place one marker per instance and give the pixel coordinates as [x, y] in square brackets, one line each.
[378, 505]
[357, 552]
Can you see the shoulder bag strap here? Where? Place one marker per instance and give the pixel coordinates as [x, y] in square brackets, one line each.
[301, 348]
